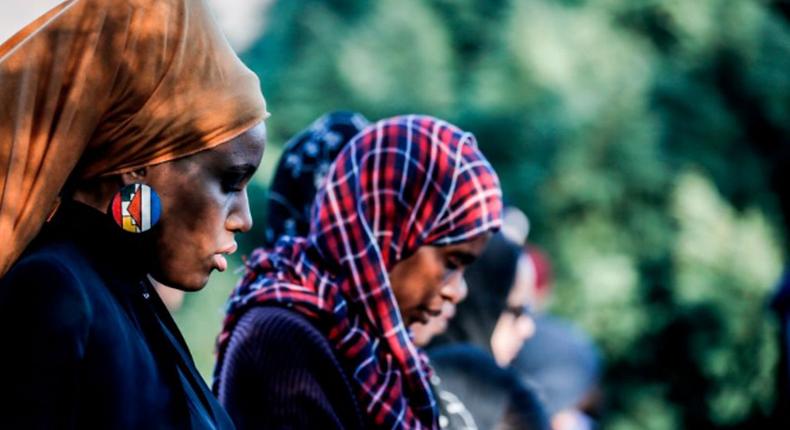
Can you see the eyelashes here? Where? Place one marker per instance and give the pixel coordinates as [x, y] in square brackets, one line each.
[234, 179]
[451, 265]
[233, 183]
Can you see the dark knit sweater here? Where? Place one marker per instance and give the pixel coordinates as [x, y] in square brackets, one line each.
[280, 372]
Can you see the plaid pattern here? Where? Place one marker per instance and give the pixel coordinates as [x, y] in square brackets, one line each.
[400, 184]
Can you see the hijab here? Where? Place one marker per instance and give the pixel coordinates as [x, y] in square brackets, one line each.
[100, 87]
[401, 183]
[302, 169]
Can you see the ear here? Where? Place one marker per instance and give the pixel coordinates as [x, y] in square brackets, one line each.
[135, 177]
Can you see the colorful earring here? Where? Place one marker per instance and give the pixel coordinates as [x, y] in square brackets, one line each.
[136, 208]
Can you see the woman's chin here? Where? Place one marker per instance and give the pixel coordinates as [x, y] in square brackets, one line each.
[194, 282]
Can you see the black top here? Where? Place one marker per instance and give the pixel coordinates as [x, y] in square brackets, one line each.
[280, 372]
[88, 343]
[475, 393]
[561, 361]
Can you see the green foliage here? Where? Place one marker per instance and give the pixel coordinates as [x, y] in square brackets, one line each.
[640, 137]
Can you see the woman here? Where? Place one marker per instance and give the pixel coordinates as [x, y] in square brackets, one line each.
[495, 317]
[488, 329]
[561, 361]
[105, 104]
[316, 334]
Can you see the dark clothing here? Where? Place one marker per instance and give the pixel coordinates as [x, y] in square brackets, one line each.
[475, 393]
[561, 361]
[89, 343]
[280, 372]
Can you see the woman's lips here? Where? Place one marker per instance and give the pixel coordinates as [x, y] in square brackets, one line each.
[220, 262]
[425, 314]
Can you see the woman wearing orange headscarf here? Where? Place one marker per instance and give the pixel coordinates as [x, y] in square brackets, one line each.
[128, 132]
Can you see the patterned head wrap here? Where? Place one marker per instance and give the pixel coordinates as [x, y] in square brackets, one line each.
[400, 184]
[302, 169]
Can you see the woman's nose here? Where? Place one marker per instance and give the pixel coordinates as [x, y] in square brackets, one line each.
[240, 218]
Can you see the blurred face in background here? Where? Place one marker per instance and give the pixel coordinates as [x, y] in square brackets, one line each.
[424, 281]
[515, 325]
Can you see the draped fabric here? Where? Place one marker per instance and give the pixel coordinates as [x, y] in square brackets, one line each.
[99, 87]
[302, 169]
[400, 184]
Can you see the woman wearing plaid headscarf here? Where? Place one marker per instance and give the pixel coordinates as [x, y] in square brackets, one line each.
[316, 333]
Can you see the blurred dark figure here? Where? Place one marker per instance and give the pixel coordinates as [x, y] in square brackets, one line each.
[478, 394]
[495, 317]
[781, 305]
[564, 366]
[560, 360]
[302, 167]
[487, 332]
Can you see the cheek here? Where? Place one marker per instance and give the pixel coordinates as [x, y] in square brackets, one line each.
[418, 279]
[189, 228]
[191, 212]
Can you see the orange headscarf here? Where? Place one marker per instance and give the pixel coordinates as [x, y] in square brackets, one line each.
[99, 87]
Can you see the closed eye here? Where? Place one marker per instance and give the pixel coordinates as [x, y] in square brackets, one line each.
[458, 260]
[235, 178]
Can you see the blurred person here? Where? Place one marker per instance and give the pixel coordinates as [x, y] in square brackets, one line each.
[316, 334]
[493, 320]
[108, 104]
[542, 277]
[479, 394]
[560, 360]
[495, 316]
[515, 225]
[564, 367]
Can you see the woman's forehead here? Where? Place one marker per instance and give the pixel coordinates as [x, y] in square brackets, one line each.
[246, 148]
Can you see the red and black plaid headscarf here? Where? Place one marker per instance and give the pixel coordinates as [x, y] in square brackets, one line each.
[400, 184]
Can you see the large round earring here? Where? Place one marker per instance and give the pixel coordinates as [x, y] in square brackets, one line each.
[136, 208]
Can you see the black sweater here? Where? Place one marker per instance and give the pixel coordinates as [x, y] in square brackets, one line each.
[88, 343]
[280, 372]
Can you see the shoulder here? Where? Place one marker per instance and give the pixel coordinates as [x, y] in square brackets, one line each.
[271, 345]
[50, 265]
[49, 281]
[279, 358]
[274, 331]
